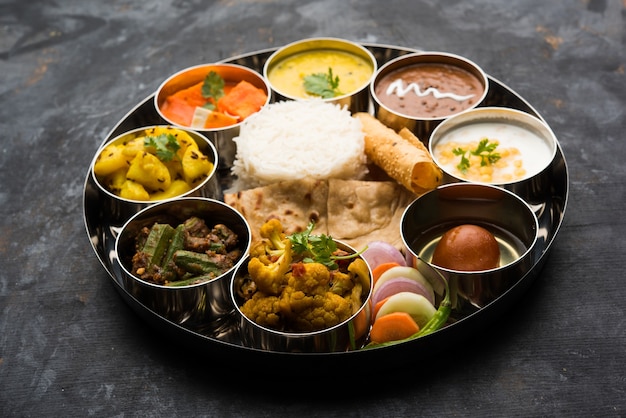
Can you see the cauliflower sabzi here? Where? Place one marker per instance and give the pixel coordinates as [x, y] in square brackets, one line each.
[301, 283]
[270, 258]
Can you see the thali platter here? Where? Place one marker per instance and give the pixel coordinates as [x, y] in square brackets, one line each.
[222, 339]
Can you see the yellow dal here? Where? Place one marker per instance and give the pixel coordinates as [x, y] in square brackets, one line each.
[287, 76]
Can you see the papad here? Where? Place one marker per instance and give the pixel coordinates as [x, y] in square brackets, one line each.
[402, 156]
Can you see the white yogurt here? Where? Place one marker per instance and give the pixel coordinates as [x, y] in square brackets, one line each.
[534, 151]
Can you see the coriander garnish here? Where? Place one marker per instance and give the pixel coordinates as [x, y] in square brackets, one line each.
[164, 146]
[324, 85]
[317, 248]
[484, 150]
[212, 88]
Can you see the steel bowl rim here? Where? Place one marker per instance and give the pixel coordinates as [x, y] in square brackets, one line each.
[251, 71]
[297, 335]
[523, 204]
[519, 115]
[366, 53]
[119, 137]
[182, 200]
[484, 79]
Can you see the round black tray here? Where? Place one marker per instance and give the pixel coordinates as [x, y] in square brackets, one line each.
[221, 340]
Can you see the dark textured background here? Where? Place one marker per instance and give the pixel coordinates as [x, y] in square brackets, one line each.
[70, 346]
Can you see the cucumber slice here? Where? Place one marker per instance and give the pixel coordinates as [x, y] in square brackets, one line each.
[420, 309]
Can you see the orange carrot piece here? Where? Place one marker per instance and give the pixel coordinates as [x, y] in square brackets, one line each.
[380, 269]
[239, 102]
[192, 95]
[361, 324]
[177, 110]
[219, 120]
[377, 307]
[393, 326]
[180, 106]
[243, 100]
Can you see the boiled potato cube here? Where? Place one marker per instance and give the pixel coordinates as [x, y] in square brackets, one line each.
[175, 168]
[110, 160]
[177, 188]
[134, 146]
[133, 191]
[147, 170]
[196, 166]
[185, 141]
[115, 181]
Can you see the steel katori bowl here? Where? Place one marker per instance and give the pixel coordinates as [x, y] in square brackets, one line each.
[418, 91]
[348, 335]
[352, 63]
[505, 215]
[118, 209]
[205, 302]
[188, 77]
[526, 147]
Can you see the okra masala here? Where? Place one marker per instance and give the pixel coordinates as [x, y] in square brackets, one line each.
[190, 253]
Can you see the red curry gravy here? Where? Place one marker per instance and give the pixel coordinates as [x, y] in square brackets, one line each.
[429, 90]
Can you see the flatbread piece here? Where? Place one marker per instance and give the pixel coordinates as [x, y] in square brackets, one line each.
[353, 211]
[295, 203]
[365, 211]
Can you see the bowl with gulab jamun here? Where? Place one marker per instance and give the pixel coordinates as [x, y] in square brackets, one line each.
[480, 237]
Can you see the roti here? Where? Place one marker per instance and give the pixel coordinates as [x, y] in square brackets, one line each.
[353, 211]
[365, 211]
[295, 203]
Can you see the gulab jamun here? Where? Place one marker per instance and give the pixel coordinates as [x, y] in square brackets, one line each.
[467, 248]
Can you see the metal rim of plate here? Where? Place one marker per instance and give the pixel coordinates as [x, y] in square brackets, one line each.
[221, 339]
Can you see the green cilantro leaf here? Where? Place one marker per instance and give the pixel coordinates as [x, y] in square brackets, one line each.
[300, 240]
[463, 166]
[212, 89]
[324, 85]
[484, 150]
[163, 146]
[317, 248]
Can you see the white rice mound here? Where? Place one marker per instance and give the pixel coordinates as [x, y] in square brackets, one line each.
[292, 140]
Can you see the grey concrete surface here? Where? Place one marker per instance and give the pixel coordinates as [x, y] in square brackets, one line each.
[70, 346]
